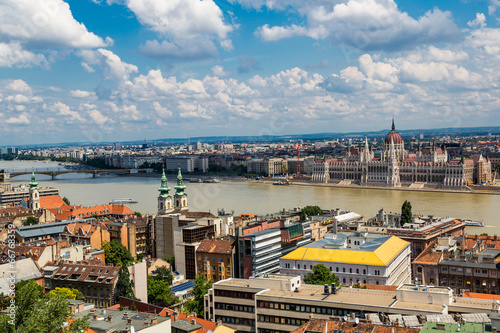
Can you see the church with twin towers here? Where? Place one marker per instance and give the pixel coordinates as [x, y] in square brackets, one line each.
[396, 167]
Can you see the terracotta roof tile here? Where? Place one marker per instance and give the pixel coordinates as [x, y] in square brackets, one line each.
[216, 246]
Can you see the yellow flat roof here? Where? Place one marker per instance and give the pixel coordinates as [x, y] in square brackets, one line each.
[381, 256]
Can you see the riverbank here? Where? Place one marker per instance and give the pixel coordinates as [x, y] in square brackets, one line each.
[355, 186]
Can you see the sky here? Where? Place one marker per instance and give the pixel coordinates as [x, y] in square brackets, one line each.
[119, 70]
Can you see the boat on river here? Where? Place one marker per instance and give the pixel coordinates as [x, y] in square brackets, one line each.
[124, 201]
[470, 223]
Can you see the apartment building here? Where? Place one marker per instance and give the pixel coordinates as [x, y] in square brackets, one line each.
[267, 166]
[215, 258]
[94, 279]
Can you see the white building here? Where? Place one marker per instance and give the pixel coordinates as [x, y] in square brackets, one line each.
[354, 258]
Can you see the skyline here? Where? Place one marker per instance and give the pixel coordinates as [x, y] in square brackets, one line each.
[116, 70]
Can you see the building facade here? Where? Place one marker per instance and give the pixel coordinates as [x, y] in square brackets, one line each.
[397, 167]
[94, 279]
[215, 259]
[353, 258]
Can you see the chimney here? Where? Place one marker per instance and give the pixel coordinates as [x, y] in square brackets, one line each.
[154, 321]
[493, 329]
[129, 320]
[94, 316]
[193, 321]
[334, 289]
[81, 306]
[176, 315]
[110, 318]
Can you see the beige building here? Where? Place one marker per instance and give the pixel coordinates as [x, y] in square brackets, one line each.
[267, 166]
[281, 304]
[397, 167]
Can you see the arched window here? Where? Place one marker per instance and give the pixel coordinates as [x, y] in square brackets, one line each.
[357, 270]
[364, 271]
[350, 270]
[298, 266]
[337, 269]
[343, 269]
[330, 269]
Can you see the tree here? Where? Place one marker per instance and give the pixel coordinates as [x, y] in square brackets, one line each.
[310, 211]
[138, 214]
[321, 276]
[201, 287]
[160, 292]
[171, 261]
[66, 201]
[163, 273]
[124, 285]
[38, 313]
[68, 293]
[117, 254]
[30, 220]
[406, 215]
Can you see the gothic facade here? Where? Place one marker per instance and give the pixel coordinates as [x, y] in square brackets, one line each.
[397, 167]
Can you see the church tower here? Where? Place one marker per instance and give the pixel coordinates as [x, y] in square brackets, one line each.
[165, 204]
[180, 196]
[34, 194]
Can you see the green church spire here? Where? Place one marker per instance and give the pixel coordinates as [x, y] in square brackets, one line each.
[33, 183]
[180, 187]
[164, 189]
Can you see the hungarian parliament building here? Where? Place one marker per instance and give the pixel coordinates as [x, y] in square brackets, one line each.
[396, 166]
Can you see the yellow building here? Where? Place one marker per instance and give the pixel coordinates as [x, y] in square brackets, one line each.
[354, 258]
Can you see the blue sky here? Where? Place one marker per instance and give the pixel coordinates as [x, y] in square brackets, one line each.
[116, 70]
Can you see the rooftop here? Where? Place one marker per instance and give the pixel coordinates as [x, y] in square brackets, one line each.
[375, 250]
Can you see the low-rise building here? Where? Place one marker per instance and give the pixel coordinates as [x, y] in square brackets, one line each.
[94, 279]
[215, 258]
[108, 321]
[354, 258]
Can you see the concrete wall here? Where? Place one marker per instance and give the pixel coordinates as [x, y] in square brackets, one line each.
[138, 274]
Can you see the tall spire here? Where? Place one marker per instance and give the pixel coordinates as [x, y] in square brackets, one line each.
[164, 189]
[33, 183]
[179, 187]
[393, 126]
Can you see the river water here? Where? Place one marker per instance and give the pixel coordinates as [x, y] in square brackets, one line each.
[263, 198]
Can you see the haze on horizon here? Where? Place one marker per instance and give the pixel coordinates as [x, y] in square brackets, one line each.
[123, 70]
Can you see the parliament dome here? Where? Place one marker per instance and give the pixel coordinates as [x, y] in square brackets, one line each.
[393, 136]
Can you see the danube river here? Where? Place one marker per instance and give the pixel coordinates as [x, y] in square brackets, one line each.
[263, 198]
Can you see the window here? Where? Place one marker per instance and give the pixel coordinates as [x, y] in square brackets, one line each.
[419, 269]
[484, 271]
[343, 269]
[199, 266]
[357, 270]
[350, 270]
[298, 266]
[445, 269]
[337, 269]
[311, 266]
[364, 271]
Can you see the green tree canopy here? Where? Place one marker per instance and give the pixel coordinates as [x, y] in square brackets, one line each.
[310, 211]
[30, 220]
[321, 276]
[163, 273]
[201, 287]
[160, 292]
[38, 313]
[68, 293]
[124, 285]
[171, 261]
[117, 254]
[66, 201]
[406, 215]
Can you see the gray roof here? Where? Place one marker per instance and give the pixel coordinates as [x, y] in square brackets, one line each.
[119, 321]
[40, 230]
[373, 241]
[185, 325]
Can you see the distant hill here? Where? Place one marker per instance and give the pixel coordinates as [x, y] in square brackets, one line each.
[428, 133]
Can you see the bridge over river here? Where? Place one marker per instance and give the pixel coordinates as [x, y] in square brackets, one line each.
[5, 175]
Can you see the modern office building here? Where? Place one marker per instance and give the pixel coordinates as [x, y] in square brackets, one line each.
[276, 303]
